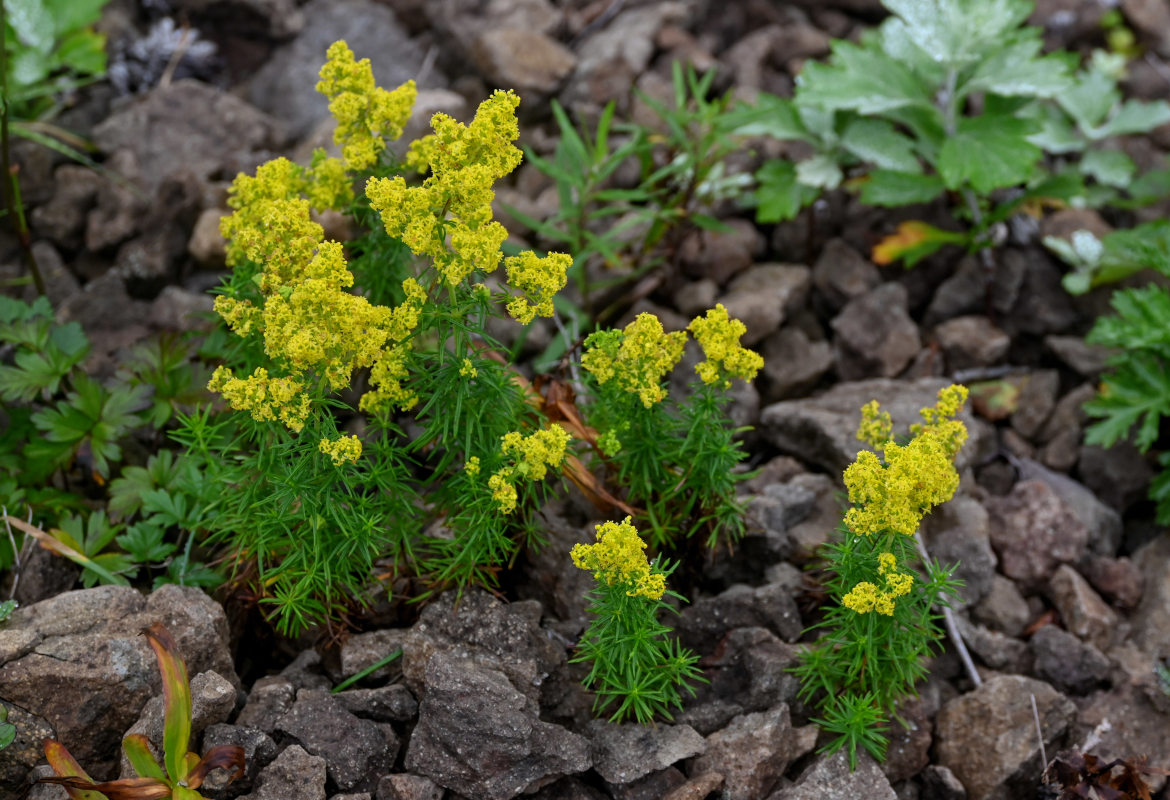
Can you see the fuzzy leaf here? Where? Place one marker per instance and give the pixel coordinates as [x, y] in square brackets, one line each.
[176, 699]
[1015, 71]
[1110, 167]
[773, 116]
[819, 172]
[1135, 116]
[860, 79]
[1090, 99]
[988, 152]
[877, 142]
[958, 32]
[886, 187]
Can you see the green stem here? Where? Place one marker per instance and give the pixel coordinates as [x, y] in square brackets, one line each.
[12, 197]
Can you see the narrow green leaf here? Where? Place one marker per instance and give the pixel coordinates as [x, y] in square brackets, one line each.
[780, 196]
[176, 699]
[137, 750]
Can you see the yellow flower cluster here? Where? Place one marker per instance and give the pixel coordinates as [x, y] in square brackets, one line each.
[894, 496]
[876, 426]
[637, 358]
[341, 450]
[265, 398]
[539, 279]
[719, 335]
[866, 597]
[449, 217]
[472, 465]
[467, 369]
[619, 557]
[531, 458]
[367, 115]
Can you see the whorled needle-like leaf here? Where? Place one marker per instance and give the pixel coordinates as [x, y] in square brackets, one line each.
[176, 701]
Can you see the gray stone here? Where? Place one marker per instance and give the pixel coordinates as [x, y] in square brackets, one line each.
[1150, 631]
[1102, 522]
[1151, 18]
[1033, 531]
[179, 309]
[207, 245]
[1067, 663]
[1090, 360]
[1083, 611]
[707, 620]
[939, 783]
[695, 297]
[971, 341]
[626, 753]
[875, 336]
[408, 787]
[910, 738]
[652, 787]
[764, 296]
[1003, 608]
[393, 703]
[278, 19]
[997, 651]
[823, 429]
[259, 751]
[213, 699]
[965, 292]
[1119, 475]
[62, 219]
[364, 650]
[522, 59]
[26, 750]
[79, 657]
[751, 753]
[60, 283]
[270, 699]
[463, 21]
[294, 775]
[497, 635]
[355, 750]
[1118, 580]
[720, 255]
[697, 788]
[830, 778]
[987, 737]
[285, 86]
[793, 363]
[958, 533]
[1036, 401]
[842, 274]
[479, 736]
[193, 126]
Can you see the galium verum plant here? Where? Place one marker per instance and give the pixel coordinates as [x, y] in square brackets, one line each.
[632, 662]
[880, 625]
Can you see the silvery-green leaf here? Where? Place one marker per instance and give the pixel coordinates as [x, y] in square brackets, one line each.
[1089, 99]
[859, 79]
[1088, 247]
[959, 32]
[1136, 116]
[820, 172]
[885, 187]
[1015, 71]
[1056, 133]
[1063, 249]
[32, 22]
[772, 116]
[1110, 167]
[877, 142]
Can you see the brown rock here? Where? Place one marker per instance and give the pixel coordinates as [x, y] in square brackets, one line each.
[523, 59]
[1033, 531]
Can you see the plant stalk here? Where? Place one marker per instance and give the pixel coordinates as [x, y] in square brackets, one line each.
[11, 183]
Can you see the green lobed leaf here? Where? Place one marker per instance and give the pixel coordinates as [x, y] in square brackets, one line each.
[820, 172]
[989, 152]
[146, 543]
[1110, 167]
[957, 32]
[1091, 97]
[1135, 116]
[1015, 71]
[773, 116]
[1135, 395]
[885, 187]
[780, 196]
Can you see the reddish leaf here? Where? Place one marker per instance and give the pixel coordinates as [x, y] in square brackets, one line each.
[124, 789]
[913, 241]
[592, 488]
[176, 699]
[224, 756]
[66, 766]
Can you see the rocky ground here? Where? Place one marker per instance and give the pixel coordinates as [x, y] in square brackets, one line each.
[1067, 580]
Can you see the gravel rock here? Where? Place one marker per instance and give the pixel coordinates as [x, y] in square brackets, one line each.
[971, 341]
[939, 783]
[697, 788]
[355, 750]
[652, 787]
[270, 699]
[1042, 306]
[695, 297]
[823, 429]
[25, 751]
[277, 19]
[522, 59]
[1150, 631]
[987, 737]
[186, 125]
[1139, 724]
[62, 219]
[1083, 611]
[751, 753]
[718, 256]
[1067, 663]
[79, 656]
[909, 748]
[1003, 608]
[364, 650]
[1118, 580]
[626, 753]
[207, 245]
[178, 309]
[958, 532]
[829, 778]
[707, 620]
[1103, 523]
[408, 787]
[842, 274]
[479, 736]
[1090, 360]
[1033, 531]
[766, 295]
[294, 775]
[965, 292]
[997, 651]
[793, 363]
[285, 86]
[875, 336]
[1119, 475]
[393, 703]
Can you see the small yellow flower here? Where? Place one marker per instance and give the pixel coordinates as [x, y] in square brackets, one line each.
[342, 450]
[719, 337]
[537, 452]
[467, 369]
[876, 427]
[503, 492]
[619, 557]
[638, 358]
[539, 279]
[472, 466]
